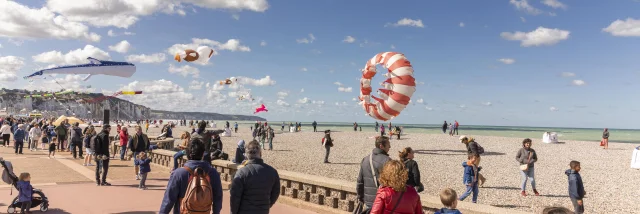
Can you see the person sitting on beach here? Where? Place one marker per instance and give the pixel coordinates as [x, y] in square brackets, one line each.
[471, 175]
[256, 186]
[449, 199]
[526, 155]
[576, 188]
[394, 195]
[406, 156]
[367, 183]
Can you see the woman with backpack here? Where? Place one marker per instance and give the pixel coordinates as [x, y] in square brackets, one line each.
[474, 148]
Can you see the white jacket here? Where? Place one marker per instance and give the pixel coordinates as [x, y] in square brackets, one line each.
[35, 133]
[6, 129]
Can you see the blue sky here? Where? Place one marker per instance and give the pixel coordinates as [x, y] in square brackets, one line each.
[480, 62]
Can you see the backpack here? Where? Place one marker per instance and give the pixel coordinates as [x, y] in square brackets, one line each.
[199, 196]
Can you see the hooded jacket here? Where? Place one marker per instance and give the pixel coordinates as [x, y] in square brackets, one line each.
[387, 198]
[576, 189]
[469, 173]
[76, 135]
[365, 187]
[102, 144]
[177, 187]
[144, 165]
[255, 188]
[26, 191]
[239, 153]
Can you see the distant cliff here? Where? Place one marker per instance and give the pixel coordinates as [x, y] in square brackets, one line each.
[200, 116]
[13, 101]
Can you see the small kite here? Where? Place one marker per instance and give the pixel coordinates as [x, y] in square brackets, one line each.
[229, 81]
[191, 55]
[94, 67]
[130, 92]
[245, 97]
[260, 109]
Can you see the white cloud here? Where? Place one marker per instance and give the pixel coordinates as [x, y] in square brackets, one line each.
[407, 22]
[393, 47]
[282, 94]
[304, 100]
[487, 103]
[9, 66]
[153, 87]
[113, 34]
[345, 89]
[428, 108]
[302, 90]
[263, 43]
[318, 102]
[337, 83]
[462, 106]
[553, 108]
[232, 45]
[185, 71]
[196, 85]
[507, 61]
[78, 56]
[19, 21]
[555, 4]
[523, 19]
[157, 92]
[523, 5]
[421, 101]
[578, 82]
[121, 47]
[235, 16]
[349, 39]
[265, 81]
[282, 103]
[568, 74]
[626, 28]
[538, 37]
[461, 24]
[142, 58]
[304, 69]
[110, 33]
[306, 40]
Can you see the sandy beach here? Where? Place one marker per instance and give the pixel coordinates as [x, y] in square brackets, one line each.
[609, 182]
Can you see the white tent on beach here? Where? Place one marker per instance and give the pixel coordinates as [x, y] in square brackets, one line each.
[550, 137]
[635, 158]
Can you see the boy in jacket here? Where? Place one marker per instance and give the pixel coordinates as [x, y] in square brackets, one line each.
[471, 170]
[576, 189]
[449, 199]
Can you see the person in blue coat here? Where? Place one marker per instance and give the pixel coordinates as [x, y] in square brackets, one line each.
[177, 186]
[143, 162]
[576, 188]
[26, 191]
[18, 138]
[470, 179]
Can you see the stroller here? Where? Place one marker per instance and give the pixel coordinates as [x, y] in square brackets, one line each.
[38, 199]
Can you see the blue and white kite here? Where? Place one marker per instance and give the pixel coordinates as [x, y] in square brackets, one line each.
[94, 67]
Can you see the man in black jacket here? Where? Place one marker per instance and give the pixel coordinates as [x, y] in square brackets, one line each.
[256, 186]
[138, 143]
[101, 149]
[76, 140]
[367, 185]
[205, 136]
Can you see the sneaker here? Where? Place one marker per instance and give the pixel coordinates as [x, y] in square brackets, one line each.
[105, 184]
[90, 165]
[137, 177]
[84, 164]
[536, 192]
[98, 184]
[81, 157]
[523, 193]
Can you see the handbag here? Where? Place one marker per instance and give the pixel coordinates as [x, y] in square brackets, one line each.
[525, 167]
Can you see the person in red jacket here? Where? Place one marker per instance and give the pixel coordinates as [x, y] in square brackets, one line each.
[124, 139]
[394, 195]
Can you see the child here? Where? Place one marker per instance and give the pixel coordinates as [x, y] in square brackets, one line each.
[448, 197]
[26, 190]
[576, 189]
[143, 162]
[470, 179]
[52, 146]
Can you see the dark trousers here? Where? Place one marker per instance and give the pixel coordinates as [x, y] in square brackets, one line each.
[61, 142]
[579, 209]
[18, 146]
[5, 139]
[123, 151]
[314, 129]
[104, 164]
[326, 154]
[177, 157]
[236, 129]
[26, 206]
[207, 157]
[382, 133]
[456, 130]
[74, 146]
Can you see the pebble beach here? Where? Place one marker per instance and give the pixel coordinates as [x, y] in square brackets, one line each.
[610, 183]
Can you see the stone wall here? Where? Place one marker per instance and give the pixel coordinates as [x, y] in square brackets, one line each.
[321, 194]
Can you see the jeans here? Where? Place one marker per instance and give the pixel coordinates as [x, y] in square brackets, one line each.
[123, 151]
[177, 157]
[207, 157]
[326, 154]
[529, 174]
[579, 209]
[143, 179]
[78, 146]
[471, 188]
[104, 164]
[19, 145]
[456, 130]
[270, 143]
[34, 143]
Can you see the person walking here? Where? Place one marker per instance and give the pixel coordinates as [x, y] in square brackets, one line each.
[76, 140]
[138, 143]
[256, 186]
[270, 135]
[456, 125]
[605, 138]
[527, 157]
[235, 127]
[370, 166]
[36, 134]
[376, 126]
[101, 149]
[5, 130]
[314, 124]
[18, 139]
[124, 140]
[394, 195]
[444, 127]
[382, 130]
[327, 143]
[406, 156]
[474, 148]
[61, 133]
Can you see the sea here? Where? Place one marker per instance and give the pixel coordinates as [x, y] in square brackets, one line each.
[574, 134]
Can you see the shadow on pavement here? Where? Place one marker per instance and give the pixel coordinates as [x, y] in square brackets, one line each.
[56, 211]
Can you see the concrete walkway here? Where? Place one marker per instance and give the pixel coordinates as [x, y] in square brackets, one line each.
[70, 186]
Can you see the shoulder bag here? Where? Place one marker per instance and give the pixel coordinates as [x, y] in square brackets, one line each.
[525, 167]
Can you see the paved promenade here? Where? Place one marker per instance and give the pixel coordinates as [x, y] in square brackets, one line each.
[71, 187]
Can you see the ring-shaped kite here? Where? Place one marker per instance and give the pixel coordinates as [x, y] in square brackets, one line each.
[397, 89]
